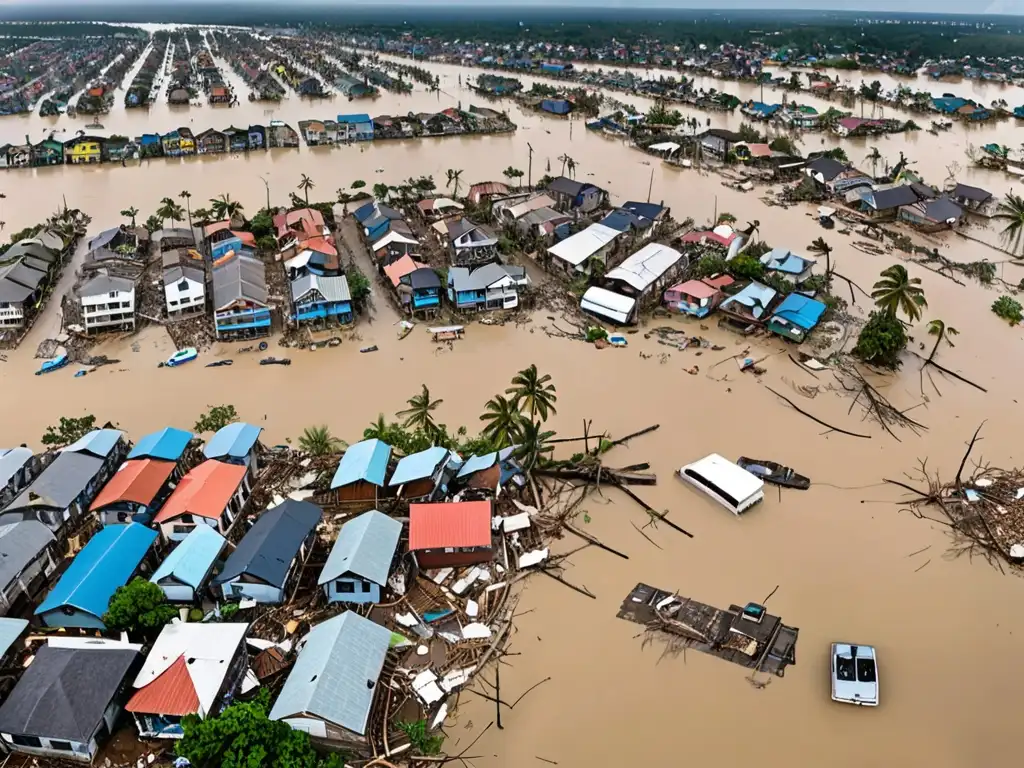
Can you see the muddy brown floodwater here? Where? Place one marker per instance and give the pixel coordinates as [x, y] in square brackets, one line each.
[947, 630]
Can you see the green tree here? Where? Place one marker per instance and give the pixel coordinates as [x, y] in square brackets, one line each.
[874, 157]
[419, 414]
[533, 445]
[202, 215]
[358, 184]
[420, 739]
[305, 184]
[501, 421]
[381, 191]
[153, 223]
[941, 332]
[783, 144]
[170, 210]
[130, 213]
[138, 605]
[262, 224]
[318, 441]
[378, 430]
[187, 197]
[837, 153]
[68, 431]
[532, 393]
[745, 267]
[224, 207]
[358, 284]
[1009, 309]
[218, 417]
[1011, 213]
[897, 291]
[511, 173]
[821, 247]
[454, 179]
[243, 736]
[881, 340]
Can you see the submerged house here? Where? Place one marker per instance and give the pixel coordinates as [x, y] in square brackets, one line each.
[191, 669]
[697, 298]
[212, 141]
[67, 703]
[212, 494]
[333, 688]
[361, 473]
[573, 254]
[609, 305]
[932, 215]
[240, 308]
[135, 492]
[971, 198]
[264, 561]
[110, 560]
[358, 567]
[355, 128]
[420, 475]
[317, 297]
[795, 317]
[490, 472]
[450, 534]
[751, 306]
[236, 443]
[184, 573]
[795, 269]
[646, 272]
[107, 303]
[28, 555]
[884, 204]
[485, 288]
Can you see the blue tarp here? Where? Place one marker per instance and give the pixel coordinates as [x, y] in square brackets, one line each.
[233, 441]
[168, 445]
[367, 460]
[193, 558]
[355, 119]
[104, 564]
[801, 311]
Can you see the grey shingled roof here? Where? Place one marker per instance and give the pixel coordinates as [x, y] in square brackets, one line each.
[269, 547]
[20, 543]
[65, 691]
[564, 186]
[104, 284]
[60, 483]
[365, 548]
[240, 277]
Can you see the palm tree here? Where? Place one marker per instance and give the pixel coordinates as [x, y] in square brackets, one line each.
[224, 207]
[418, 414]
[318, 441]
[533, 445]
[377, 430]
[305, 184]
[532, 393]
[186, 196]
[170, 210]
[454, 179]
[203, 215]
[874, 157]
[381, 191]
[1011, 211]
[502, 421]
[130, 213]
[819, 246]
[942, 332]
[898, 291]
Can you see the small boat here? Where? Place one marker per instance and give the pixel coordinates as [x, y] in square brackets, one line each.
[406, 329]
[275, 361]
[369, 349]
[773, 472]
[52, 365]
[854, 675]
[219, 363]
[617, 340]
[182, 356]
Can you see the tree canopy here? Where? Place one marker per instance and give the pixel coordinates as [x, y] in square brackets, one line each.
[138, 605]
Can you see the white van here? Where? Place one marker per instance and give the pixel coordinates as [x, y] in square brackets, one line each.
[727, 483]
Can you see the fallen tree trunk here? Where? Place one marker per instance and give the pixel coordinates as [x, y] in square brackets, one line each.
[590, 475]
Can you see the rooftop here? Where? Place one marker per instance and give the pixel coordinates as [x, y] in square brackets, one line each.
[191, 560]
[232, 441]
[365, 461]
[167, 444]
[365, 547]
[453, 524]
[205, 491]
[138, 481]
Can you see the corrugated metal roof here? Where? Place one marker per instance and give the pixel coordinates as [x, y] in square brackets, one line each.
[267, 550]
[104, 564]
[644, 267]
[755, 297]
[336, 674]
[205, 491]
[608, 304]
[233, 441]
[239, 277]
[419, 465]
[784, 260]
[138, 480]
[60, 483]
[800, 310]
[533, 204]
[99, 443]
[365, 547]
[332, 288]
[20, 544]
[104, 284]
[399, 268]
[476, 463]
[185, 670]
[581, 246]
[461, 279]
[191, 560]
[168, 444]
[452, 524]
[10, 631]
[366, 460]
[11, 461]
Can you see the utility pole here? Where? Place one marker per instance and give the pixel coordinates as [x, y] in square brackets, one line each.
[267, 185]
[651, 185]
[529, 172]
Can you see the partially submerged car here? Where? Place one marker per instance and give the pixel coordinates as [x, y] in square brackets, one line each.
[854, 675]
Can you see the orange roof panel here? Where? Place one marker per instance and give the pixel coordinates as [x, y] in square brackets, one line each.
[205, 491]
[453, 524]
[399, 268]
[171, 693]
[139, 480]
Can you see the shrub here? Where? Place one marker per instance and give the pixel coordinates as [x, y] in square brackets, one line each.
[218, 417]
[881, 341]
[139, 604]
[196, 614]
[745, 267]
[1009, 309]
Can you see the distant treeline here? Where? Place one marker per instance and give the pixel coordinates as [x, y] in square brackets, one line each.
[28, 30]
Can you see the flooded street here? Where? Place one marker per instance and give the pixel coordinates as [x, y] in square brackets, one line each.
[841, 554]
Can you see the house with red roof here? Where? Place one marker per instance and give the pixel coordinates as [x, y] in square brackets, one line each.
[191, 669]
[451, 533]
[211, 494]
[137, 489]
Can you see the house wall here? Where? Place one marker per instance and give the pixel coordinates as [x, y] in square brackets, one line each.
[178, 528]
[419, 489]
[308, 725]
[12, 314]
[83, 753]
[158, 726]
[358, 491]
[76, 618]
[177, 593]
[442, 558]
[44, 565]
[254, 320]
[182, 301]
[261, 593]
[121, 512]
[116, 308]
[363, 591]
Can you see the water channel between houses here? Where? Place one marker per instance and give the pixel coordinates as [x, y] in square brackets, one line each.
[947, 634]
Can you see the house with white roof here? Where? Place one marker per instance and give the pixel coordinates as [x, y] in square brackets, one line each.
[649, 270]
[573, 255]
[190, 670]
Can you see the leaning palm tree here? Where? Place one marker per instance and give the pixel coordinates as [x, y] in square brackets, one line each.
[821, 247]
[454, 179]
[419, 413]
[305, 184]
[941, 332]
[898, 291]
[533, 445]
[224, 207]
[532, 393]
[318, 441]
[1011, 213]
[502, 421]
[170, 210]
[130, 213]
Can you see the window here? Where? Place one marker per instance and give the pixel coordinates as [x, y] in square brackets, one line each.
[63, 746]
[366, 586]
[186, 519]
[345, 587]
[716, 490]
[449, 550]
[25, 741]
[183, 528]
[112, 294]
[174, 303]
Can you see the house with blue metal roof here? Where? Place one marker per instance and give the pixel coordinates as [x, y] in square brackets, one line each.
[751, 306]
[783, 261]
[362, 472]
[795, 317]
[490, 471]
[360, 561]
[332, 690]
[419, 476]
[99, 443]
[236, 443]
[355, 128]
[10, 631]
[108, 561]
[167, 444]
[184, 572]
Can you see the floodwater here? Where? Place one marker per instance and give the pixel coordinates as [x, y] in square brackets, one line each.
[840, 554]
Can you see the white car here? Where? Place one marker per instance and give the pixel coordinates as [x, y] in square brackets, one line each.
[854, 674]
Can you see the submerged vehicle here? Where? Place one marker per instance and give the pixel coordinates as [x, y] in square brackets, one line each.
[854, 675]
[182, 356]
[775, 473]
[275, 361]
[729, 484]
[52, 365]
